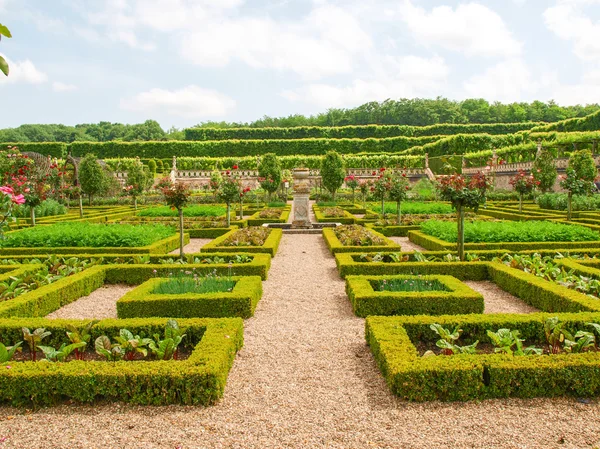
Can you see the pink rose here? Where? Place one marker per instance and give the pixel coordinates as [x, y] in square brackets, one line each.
[18, 199]
[6, 190]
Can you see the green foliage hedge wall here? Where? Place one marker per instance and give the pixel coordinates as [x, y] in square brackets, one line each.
[353, 132]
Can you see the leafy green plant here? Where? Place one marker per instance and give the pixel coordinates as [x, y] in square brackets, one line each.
[412, 284]
[556, 334]
[33, 339]
[582, 342]
[111, 351]
[269, 173]
[508, 342]
[448, 339]
[132, 344]
[7, 352]
[60, 354]
[356, 235]
[78, 335]
[167, 348]
[250, 236]
[188, 211]
[190, 282]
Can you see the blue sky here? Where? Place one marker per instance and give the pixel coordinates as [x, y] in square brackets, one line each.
[185, 61]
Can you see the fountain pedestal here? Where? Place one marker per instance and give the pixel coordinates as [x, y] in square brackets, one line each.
[301, 195]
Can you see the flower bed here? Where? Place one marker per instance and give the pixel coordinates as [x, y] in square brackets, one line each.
[251, 240]
[239, 302]
[394, 341]
[341, 215]
[411, 295]
[188, 211]
[355, 238]
[200, 379]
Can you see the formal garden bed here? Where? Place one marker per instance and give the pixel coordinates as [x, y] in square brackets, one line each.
[270, 215]
[411, 295]
[356, 238]
[333, 214]
[253, 239]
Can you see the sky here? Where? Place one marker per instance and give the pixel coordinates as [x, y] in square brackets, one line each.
[182, 62]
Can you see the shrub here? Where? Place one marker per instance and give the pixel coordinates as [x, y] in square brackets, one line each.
[333, 172]
[188, 211]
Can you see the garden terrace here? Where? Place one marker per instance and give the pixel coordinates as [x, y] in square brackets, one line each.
[394, 342]
[213, 342]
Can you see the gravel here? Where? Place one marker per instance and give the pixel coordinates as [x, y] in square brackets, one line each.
[193, 247]
[306, 379]
[407, 245]
[100, 304]
[497, 300]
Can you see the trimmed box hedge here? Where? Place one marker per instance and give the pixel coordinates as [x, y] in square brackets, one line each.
[458, 298]
[270, 246]
[392, 231]
[335, 246]
[159, 247]
[348, 218]
[240, 302]
[474, 377]
[255, 219]
[199, 380]
[434, 244]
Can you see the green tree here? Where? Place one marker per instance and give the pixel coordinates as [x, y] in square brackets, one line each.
[544, 171]
[333, 172]
[269, 173]
[229, 192]
[3, 64]
[137, 181]
[580, 176]
[92, 177]
[399, 188]
[177, 196]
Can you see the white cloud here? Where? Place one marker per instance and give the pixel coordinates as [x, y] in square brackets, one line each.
[23, 72]
[57, 86]
[407, 76]
[506, 81]
[471, 28]
[326, 42]
[569, 21]
[190, 102]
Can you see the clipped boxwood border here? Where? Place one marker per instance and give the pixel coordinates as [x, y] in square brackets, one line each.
[159, 247]
[270, 246]
[255, 219]
[348, 218]
[392, 231]
[199, 380]
[459, 298]
[335, 246]
[240, 302]
[434, 244]
[475, 377]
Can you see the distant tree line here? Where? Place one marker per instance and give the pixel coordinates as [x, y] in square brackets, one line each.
[415, 112]
[101, 132]
[423, 112]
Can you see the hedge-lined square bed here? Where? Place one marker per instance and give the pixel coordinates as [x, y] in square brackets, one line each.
[239, 302]
[365, 240]
[428, 295]
[270, 215]
[200, 379]
[242, 240]
[334, 214]
[394, 342]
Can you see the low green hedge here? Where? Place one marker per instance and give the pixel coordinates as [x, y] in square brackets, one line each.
[240, 302]
[434, 244]
[335, 246]
[160, 247]
[199, 380]
[255, 219]
[348, 218]
[457, 300]
[208, 233]
[392, 231]
[475, 377]
[270, 246]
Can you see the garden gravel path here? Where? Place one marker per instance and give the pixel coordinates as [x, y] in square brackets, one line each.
[193, 247]
[407, 245]
[497, 300]
[100, 304]
[306, 379]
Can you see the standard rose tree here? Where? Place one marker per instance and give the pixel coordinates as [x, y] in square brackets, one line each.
[400, 185]
[463, 193]
[176, 196]
[523, 185]
[580, 176]
[229, 192]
